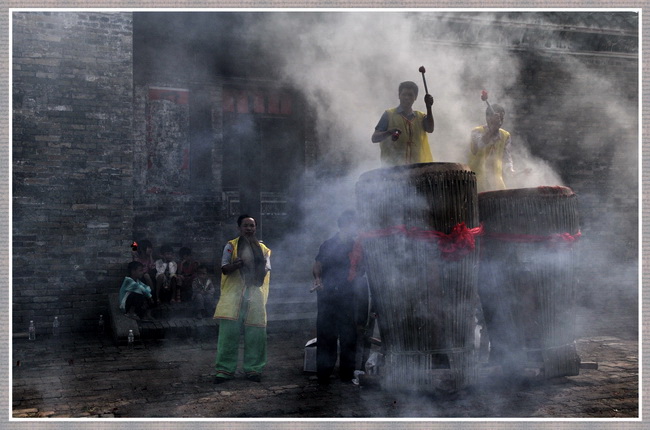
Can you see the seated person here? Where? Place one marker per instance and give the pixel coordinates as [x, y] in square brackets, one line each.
[167, 282]
[187, 270]
[144, 255]
[203, 293]
[135, 296]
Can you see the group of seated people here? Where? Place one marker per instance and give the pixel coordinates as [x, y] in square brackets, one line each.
[151, 282]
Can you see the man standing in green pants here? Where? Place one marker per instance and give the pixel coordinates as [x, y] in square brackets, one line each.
[245, 275]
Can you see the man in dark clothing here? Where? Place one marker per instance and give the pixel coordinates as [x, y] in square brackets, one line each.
[337, 302]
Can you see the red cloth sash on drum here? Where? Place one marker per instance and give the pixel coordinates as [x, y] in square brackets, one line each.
[453, 246]
[553, 239]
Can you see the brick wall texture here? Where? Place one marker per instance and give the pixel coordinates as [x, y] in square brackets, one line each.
[72, 164]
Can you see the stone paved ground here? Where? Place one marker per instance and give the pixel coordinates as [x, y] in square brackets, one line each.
[92, 377]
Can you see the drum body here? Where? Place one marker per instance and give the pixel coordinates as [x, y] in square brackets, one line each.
[527, 278]
[425, 303]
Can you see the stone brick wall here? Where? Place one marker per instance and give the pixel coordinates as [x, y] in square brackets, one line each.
[72, 164]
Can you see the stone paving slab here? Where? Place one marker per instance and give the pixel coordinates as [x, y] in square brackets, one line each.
[92, 377]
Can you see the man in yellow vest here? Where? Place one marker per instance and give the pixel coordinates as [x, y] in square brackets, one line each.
[402, 132]
[490, 151]
[245, 275]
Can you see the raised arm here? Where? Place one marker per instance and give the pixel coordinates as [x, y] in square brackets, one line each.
[428, 120]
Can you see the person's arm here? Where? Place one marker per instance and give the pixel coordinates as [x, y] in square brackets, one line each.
[160, 267]
[428, 119]
[136, 287]
[144, 289]
[507, 158]
[172, 268]
[210, 287]
[475, 140]
[227, 267]
[381, 129]
[378, 136]
[317, 271]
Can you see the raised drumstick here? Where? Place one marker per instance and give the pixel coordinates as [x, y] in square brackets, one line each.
[484, 97]
[423, 70]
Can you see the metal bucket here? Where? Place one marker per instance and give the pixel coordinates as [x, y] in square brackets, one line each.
[527, 280]
[424, 295]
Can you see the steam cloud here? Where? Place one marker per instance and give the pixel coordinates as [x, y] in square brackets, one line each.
[349, 64]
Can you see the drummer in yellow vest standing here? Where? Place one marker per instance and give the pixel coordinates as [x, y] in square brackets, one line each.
[245, 269]
[402, 132]
[490, 151]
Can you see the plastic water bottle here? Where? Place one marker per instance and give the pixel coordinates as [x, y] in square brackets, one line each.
[100, 328]
[55, 327]
[130, 340]
[32, 331]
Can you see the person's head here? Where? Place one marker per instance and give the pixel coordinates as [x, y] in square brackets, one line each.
[494, 115]
[185, 252]
[407, 93]
[167, 252]
[247, 225]
[202, 271]
[347, 222]
[135, 270]
[145, 247]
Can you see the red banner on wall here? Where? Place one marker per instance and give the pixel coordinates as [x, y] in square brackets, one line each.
[176, 95]
[256, 101]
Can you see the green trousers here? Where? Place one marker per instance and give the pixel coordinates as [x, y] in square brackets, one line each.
[228, 348]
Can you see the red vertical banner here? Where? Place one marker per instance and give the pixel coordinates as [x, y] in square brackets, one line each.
[242, 102]
[258, 102]
[168, 131]
[274, 103]
[228, 101]
[176, 95]
[285, 104]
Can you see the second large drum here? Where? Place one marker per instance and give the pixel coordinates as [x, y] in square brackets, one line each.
[418, 226]
[527, 278]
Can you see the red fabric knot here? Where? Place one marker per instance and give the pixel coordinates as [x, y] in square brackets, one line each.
[460, 242]
[453, 246]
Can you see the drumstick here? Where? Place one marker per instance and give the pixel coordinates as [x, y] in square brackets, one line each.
[422, 70]
[484, 97]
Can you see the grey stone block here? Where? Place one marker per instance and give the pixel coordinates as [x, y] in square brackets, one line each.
[120, 323]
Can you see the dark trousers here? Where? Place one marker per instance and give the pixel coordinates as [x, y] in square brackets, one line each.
[138, 302]
[336, 320]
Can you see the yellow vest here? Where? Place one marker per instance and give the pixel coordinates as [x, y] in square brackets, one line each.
[232, 294]
[487, 163]
[412, 145]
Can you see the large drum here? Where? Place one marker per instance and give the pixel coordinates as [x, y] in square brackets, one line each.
[418, 225]
[526, 278]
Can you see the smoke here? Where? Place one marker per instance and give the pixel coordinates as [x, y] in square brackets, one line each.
[348, 66]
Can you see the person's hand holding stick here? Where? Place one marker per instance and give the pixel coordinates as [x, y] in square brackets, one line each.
[484, 97]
